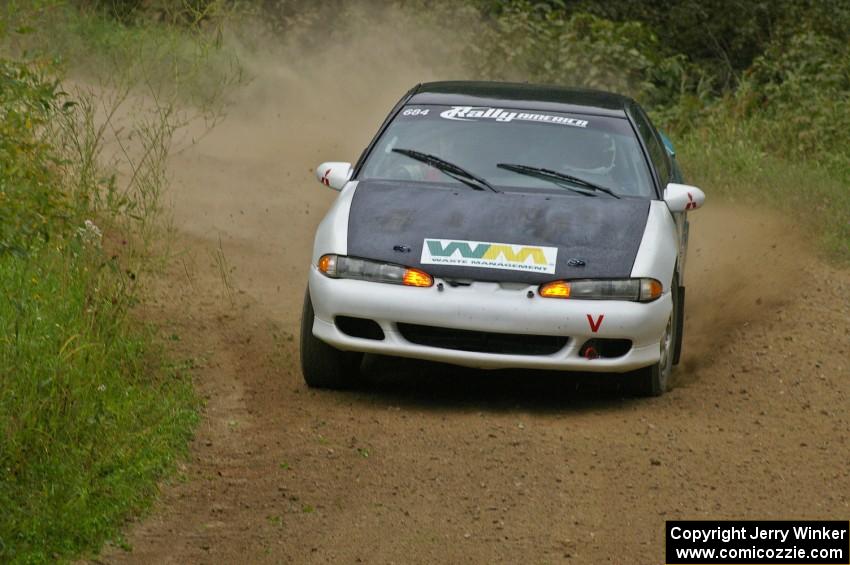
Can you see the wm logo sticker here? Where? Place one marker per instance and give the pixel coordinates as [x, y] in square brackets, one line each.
[489, 255]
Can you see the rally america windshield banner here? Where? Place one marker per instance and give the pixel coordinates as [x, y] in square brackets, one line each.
[470, 113]
[487, 113]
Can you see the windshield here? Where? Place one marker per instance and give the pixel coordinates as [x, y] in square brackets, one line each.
[599, 150]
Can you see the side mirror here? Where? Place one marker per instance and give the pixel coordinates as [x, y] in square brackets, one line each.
[683, 197]
[334, 174]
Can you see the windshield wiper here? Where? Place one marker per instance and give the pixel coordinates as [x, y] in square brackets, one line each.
[555, 175]
[448, 168]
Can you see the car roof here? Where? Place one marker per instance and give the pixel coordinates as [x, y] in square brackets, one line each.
[522, 95]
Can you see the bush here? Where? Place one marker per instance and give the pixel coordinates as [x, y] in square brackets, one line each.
[32, 206]
[799, 92]
[183, 12]
[536, 42]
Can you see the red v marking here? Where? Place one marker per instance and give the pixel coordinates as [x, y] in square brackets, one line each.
[594, 326]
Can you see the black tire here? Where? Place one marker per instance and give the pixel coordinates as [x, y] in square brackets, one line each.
[654, 380]
[680, 326]
[324, 366]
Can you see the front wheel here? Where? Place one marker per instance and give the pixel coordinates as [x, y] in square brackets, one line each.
[654, 380]
[324, 366]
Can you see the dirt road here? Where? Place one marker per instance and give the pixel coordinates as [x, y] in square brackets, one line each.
[431, 463]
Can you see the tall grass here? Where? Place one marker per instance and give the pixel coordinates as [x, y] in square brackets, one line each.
[728, 161]
[93, 412]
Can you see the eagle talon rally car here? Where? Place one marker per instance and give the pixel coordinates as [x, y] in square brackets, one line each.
[498, 225]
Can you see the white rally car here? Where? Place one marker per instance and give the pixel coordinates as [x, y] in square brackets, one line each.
[497, 225]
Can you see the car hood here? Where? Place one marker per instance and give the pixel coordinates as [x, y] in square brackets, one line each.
[522, 237]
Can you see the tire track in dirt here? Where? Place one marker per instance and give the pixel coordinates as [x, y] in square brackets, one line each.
[430, 463]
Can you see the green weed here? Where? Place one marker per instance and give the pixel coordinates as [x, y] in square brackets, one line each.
[91, 418]
[93, 411]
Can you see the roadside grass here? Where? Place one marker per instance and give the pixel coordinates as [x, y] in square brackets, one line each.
[729, 163]
[178, 64]
[94, 413]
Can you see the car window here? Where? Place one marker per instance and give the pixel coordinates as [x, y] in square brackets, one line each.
[598, 149]
[656, 149]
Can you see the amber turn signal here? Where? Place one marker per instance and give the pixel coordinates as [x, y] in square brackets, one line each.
[415, 277]
[650, 289]
[555, 289]
[326, 263]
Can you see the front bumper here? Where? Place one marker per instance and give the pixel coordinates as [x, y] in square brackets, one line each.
[489, 307]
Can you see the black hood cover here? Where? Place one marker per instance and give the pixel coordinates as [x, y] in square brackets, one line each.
[389, 221]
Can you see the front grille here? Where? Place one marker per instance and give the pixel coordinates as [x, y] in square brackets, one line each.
[482, 342]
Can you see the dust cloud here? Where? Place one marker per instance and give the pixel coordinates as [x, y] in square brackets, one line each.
[743, 265]
[249, 182]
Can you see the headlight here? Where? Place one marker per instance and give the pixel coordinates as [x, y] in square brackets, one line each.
[635, 290]
[342, 267]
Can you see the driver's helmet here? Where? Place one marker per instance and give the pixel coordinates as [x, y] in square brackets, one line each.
[594, 153]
